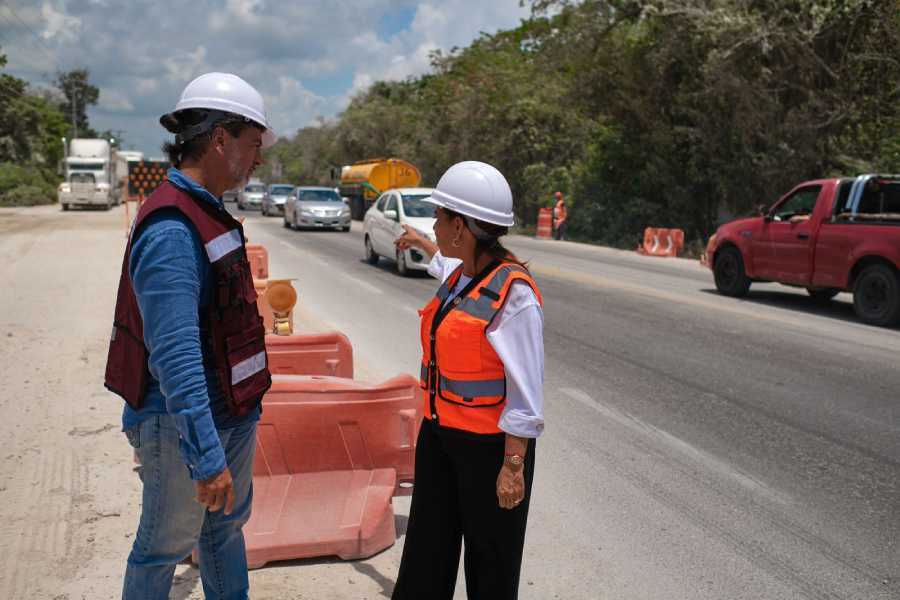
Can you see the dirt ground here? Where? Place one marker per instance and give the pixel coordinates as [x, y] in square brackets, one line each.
[69, 500]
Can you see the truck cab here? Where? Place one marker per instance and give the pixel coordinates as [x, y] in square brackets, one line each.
[88, 175]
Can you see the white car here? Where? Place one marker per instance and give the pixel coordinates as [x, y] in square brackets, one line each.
[384, 223]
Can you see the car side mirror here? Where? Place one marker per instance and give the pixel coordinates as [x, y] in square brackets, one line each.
[392, 215]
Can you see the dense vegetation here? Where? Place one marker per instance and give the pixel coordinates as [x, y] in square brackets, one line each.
[31, 125]
[643, 112]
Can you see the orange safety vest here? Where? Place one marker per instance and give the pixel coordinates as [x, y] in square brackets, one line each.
[463, 378]
[560, 212]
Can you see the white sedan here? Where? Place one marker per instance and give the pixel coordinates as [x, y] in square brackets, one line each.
[384, 223]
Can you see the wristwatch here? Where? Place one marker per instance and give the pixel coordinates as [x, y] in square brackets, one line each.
[514, 460]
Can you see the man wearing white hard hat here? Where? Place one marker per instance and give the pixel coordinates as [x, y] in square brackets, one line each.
[482, 374]
[187, 351]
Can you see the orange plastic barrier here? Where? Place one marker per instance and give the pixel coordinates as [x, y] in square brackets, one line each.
[662, 242]
[545, 223]
[259, 260]
[310, 354]
[262, 305]
[330, 454]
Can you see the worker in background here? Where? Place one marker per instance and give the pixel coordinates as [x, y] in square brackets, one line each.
[482, 376]
[559, 217]
[188, 350]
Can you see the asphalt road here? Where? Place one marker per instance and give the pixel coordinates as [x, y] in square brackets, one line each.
[696, 446]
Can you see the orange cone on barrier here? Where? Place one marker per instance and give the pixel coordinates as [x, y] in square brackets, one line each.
[330, 454]
[545, 223]
[259, 260]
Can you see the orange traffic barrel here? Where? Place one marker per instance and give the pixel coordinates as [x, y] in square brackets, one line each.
[545, 223]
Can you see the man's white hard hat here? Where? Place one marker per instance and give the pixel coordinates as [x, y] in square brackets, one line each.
[228, 93]
[475, 189]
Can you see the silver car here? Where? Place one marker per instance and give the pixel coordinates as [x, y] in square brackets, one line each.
[276, 196]
[251, 196]
[316, 208]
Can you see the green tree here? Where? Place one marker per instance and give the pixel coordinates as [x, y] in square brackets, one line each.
[78, 94]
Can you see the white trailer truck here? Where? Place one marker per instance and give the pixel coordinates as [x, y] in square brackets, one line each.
[89, 173]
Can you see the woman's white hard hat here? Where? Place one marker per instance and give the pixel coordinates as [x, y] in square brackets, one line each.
[475, 189]
[228, 93]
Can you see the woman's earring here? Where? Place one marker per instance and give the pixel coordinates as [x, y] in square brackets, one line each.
[455, 243]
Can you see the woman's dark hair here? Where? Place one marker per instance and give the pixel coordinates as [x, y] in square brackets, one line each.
[491, 245]
[195, 148]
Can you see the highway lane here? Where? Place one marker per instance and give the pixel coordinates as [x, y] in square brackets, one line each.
[696, 446]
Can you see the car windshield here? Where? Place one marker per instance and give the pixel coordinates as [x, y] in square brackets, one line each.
[255, 189]
[415, 206]
[319, 196]
[281, 190]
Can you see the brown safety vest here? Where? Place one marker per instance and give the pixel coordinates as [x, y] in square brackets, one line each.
[232, 323]
[463, 378]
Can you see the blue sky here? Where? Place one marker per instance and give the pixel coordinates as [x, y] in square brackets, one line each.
[308, 57]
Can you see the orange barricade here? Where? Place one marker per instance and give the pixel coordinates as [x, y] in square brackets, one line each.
[330, 454]
[262, 305]
[259, 260]
[310, 354]
[662, 242]
[545, 223]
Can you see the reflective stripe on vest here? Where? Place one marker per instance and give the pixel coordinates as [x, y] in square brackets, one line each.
[248, 367]
[224, 244]
[466, 373]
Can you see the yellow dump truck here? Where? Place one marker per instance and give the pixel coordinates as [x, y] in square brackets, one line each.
[363, 181]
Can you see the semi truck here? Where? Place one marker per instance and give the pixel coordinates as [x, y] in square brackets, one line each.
[828, 236]
[88, 171]
[362, 182]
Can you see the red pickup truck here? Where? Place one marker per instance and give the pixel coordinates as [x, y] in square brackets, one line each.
[828, 236]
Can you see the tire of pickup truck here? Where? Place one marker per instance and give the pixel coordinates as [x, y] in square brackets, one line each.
[876, 296]
[730, 276]
[822, 294]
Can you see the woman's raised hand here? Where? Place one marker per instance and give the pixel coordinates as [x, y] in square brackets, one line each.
[410, 239]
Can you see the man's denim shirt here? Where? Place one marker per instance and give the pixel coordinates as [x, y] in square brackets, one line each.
[172, 280]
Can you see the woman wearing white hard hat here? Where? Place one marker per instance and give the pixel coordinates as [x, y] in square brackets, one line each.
[482, 377]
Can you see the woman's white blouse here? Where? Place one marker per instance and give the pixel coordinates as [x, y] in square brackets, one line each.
[517, 336]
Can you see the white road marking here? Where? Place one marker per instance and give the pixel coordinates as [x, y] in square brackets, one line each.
[685, 449]
[363, 284]
[306, 255]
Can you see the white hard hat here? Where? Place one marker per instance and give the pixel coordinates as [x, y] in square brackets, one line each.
[228, 93]
[475, 189]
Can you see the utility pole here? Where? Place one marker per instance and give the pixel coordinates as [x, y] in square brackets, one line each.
[74, 121]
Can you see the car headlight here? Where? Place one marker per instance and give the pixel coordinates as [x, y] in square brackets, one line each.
[65, 188]
[102, 187]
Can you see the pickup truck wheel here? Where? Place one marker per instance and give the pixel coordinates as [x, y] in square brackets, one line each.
[371, 257]
[731, 279]
[822, 294]
[876, 296]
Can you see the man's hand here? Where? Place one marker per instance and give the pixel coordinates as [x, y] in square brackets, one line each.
[510, 487]
[216, 492]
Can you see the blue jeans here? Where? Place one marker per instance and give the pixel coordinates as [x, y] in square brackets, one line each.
[172, 522]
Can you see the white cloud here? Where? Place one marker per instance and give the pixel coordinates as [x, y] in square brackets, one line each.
[307, 58]
[58, 23]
